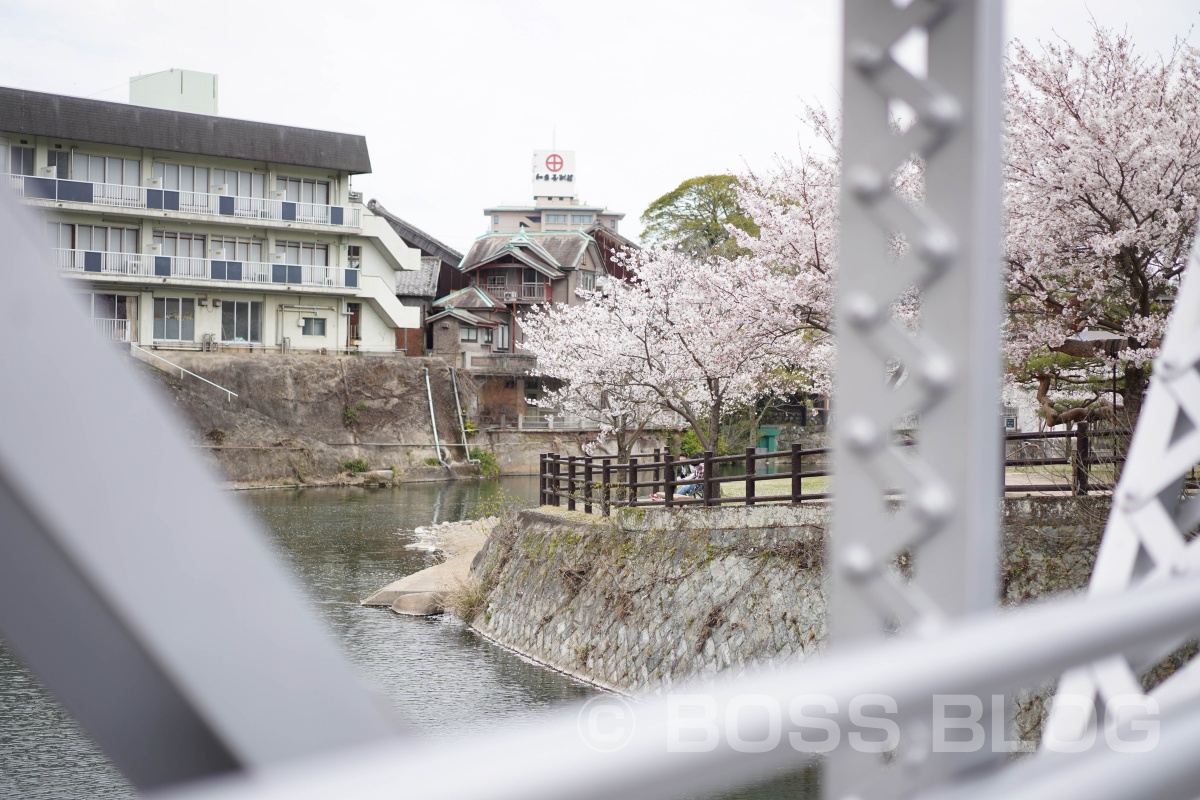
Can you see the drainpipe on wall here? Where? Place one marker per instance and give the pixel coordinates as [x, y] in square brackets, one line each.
[432, 418]
[461, 426]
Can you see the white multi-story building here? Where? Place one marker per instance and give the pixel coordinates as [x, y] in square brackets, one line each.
[191, 231]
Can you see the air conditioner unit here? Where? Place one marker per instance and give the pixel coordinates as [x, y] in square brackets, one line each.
[154, 183]
[221, 188]
[278, 258]
[510, 297]
[278, 194]
[48, 172]
[218, 254]
[154, 249]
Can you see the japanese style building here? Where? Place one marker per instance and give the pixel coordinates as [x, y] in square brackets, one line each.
[543, 253]
[192, 231]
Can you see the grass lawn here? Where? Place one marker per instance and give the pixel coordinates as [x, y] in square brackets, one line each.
[763, 488]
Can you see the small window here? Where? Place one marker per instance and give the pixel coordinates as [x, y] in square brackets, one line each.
[581, 218]
[552, 218]
[314, 326]
[468, 333]
[487, 335]
[495, 219]
[587, 280]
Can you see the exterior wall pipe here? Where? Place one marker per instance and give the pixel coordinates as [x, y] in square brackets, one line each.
[433, 419]
[461, 425]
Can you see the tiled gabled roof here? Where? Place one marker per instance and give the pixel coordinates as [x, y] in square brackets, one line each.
[470, 297]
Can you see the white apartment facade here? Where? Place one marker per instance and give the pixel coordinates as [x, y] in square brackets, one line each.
[197, 232]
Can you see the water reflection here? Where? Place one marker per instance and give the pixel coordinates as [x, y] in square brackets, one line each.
[342, 545]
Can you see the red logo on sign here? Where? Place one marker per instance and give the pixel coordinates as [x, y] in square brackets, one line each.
[554, 163]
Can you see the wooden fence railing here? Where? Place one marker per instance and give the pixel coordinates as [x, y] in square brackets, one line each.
[587, 482]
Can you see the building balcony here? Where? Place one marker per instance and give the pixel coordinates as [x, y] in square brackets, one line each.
[520, 293]
[113, 330]
[92, 264]
[138, 198]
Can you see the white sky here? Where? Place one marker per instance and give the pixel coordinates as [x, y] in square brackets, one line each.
[454, 95]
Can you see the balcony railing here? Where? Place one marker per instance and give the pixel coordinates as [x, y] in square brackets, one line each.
[523, 293]
[148, 265]
[113, 330]
[221, 205]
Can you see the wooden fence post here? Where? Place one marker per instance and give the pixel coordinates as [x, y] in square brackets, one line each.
[542, 479]
[707, 484]
[1083, 451]
[797, 481]
[554, 472]
[751, 469]
[570, 483]
[587, 485]
[606, 479]
[669, 479]
[657, 470]
[631, 485]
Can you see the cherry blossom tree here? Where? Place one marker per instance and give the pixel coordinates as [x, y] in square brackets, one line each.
[685, 336]
[575, 346]
[1102, 180]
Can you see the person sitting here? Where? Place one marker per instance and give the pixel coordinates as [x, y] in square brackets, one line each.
[694, 488]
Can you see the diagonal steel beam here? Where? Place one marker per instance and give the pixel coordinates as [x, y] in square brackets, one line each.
[138, 591]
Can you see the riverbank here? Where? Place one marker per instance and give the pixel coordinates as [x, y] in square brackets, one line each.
[427, 592]
[653, 597]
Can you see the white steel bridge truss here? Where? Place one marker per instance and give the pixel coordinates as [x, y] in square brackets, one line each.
[228, 690]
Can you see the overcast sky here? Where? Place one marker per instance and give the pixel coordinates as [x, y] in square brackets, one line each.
[454, 95]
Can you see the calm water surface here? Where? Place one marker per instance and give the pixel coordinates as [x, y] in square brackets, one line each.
[342, 545]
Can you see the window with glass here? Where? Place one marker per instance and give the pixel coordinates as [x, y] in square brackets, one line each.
[304, 190]
[182, 177]
[497, 279]
[20, 160]
[468, 333]
[241, 321]
[303, 253]
[487, 335]
[104, 239]
[106, 169]
[175, 319]
[587, 280]
[110, 306]
[236, 248]
[240, 183]
[552, 218]
[313, 326]
[495, 219]
[181, 245]
[580, 219]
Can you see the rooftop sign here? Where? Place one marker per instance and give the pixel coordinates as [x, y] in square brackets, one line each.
[554, 173]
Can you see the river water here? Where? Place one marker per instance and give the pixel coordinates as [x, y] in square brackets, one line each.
[342, 545]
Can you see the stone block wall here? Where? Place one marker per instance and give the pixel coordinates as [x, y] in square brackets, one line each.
[654, 597]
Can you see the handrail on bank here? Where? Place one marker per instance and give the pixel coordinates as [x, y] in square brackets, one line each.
[229, 394]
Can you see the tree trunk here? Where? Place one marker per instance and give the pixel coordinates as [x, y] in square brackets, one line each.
[1135, 387]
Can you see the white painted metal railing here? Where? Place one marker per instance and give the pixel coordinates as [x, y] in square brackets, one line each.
[118, 195]
[114, 330]
[143, 265]
[128, 264]
[256, 272]
[188, 267]
[320, 276]
[229, 394]
[137, 197]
